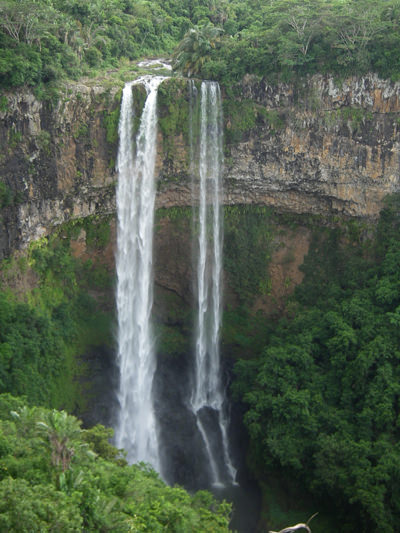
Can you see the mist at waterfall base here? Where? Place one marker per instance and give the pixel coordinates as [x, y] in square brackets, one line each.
[173, 414]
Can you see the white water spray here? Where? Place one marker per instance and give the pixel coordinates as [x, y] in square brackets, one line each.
[136, 430]
[208, 393]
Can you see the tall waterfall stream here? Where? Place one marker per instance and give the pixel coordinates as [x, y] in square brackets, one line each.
[207, 395]
[185, 436]
[136, 430]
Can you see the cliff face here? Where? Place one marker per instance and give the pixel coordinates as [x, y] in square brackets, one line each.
[318, 147]
[57, 161]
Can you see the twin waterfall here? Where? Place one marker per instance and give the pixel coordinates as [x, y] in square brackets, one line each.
[137, 430]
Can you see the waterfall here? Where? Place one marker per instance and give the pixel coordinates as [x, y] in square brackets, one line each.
[208, 400]
[136, 429]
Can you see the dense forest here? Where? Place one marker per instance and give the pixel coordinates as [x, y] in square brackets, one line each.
[323, 394]
[56, 476]
[44, 41]
[319, 385]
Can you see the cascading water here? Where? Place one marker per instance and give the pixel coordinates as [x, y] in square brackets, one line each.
[136, 429]
[207, 400]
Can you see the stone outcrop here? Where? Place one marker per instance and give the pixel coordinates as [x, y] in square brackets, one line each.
[57, 161]
[321, 147]
[318, 146]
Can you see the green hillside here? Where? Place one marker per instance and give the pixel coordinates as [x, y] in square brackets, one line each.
[46, 40]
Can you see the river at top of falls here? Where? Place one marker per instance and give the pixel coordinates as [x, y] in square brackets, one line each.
[155, 64]
[136, 429]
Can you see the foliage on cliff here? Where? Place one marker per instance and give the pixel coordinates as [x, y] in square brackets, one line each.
[289, 37]
[323, 396]
[246, 229]
[44, 40]
[45, 327]
[54, 476]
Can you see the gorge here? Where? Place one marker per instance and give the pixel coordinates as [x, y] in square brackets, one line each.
[298, 158]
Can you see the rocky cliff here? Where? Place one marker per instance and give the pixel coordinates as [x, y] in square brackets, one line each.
[318, 146]
[57, 160]
[321, 146]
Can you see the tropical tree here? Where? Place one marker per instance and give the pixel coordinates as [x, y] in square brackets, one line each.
[195, 48]
[63, 432]
[356, 26]
[25, 419]
[91, 495]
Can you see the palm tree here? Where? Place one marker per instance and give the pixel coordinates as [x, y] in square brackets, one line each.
[62, 431]
[195, 48]
[26, 419]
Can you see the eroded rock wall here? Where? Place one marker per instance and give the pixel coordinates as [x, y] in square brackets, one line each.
[318, 146]
[57, 160]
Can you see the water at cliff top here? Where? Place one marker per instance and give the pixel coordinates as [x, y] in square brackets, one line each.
[136, 430]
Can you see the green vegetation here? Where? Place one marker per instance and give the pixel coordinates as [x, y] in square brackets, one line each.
[6, 196]
[111, 120]
[44, 329]
[171, 341]
[44, 142]
[246, 229]
[243, 333]
[354, 116]
[97, 231]
[174, 113]
[139, 100]
[196, 47]
[54, 476]
[14, 138]
[3, 103]
[173, 315]
[242, 115]
[281, 39]
[177, 215]
[323, 395]
[45, 40]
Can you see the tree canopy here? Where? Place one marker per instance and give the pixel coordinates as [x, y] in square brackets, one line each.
[286, 38]
[42, 41]
[323, 396]
[55, 476]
